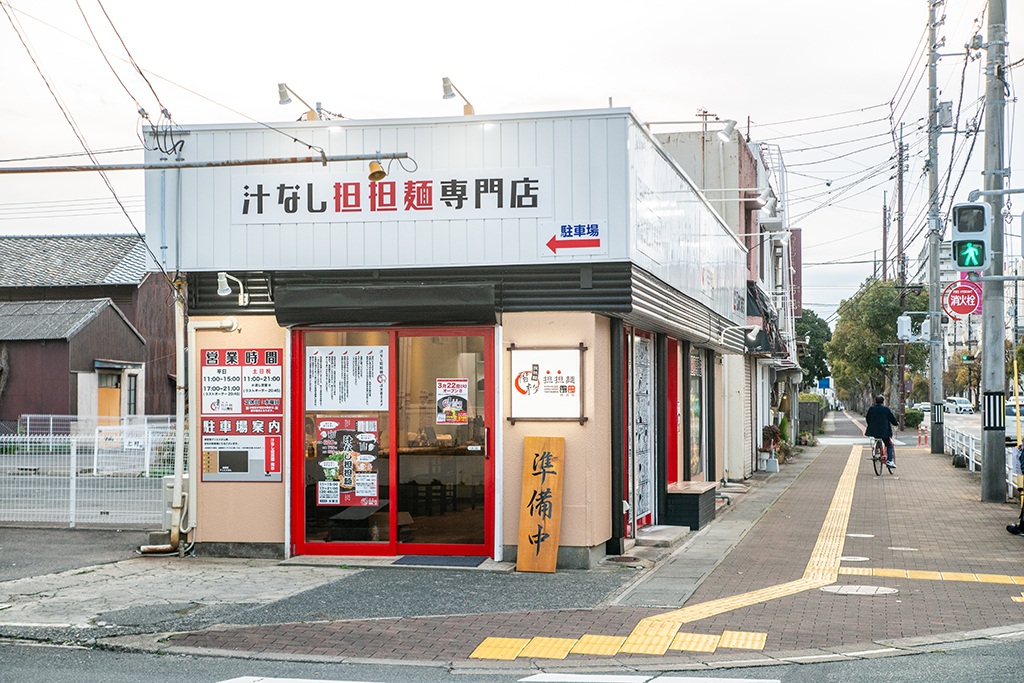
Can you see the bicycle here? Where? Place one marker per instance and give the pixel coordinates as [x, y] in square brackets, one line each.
[879, 457]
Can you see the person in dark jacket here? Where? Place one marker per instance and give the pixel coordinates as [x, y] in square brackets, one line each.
[880, 422]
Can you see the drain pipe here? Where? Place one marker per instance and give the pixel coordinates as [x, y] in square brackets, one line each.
[179, 426]
[178, 529]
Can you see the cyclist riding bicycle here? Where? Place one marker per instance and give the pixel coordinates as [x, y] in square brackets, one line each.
[880, 422]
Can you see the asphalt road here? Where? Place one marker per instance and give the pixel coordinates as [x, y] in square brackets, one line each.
[35, 551]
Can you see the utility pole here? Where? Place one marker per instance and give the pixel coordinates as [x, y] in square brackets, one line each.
[885, 233]
[934, 233]
[993, 420]
[902, 270]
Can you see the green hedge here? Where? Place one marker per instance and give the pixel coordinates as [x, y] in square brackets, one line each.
[913, 418]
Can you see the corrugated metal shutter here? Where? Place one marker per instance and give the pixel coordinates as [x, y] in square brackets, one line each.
[749, 442]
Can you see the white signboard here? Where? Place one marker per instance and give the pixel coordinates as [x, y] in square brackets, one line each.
[546, 384]
[574, 239]
[346, 378]
[422, 195]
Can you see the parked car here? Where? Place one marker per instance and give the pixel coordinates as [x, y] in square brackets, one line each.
[923, 407]
[958, 404]
[1012, 411]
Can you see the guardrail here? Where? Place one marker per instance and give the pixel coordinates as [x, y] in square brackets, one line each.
[957, 443]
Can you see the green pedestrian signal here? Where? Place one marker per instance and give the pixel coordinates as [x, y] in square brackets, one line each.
[972, 233]
[970, 254]
[881, 355]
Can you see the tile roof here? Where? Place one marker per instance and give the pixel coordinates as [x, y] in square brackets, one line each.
[71, 260]
[35, 320]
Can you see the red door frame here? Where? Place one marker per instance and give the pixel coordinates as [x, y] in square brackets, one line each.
[673, 412]
[298, 408]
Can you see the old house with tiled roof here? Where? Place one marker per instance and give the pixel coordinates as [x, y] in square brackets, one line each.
[100, 283]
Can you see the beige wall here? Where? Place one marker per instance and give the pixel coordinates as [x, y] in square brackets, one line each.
[243, 512]
[586, 492]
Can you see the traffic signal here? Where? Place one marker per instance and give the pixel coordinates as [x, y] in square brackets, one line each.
[881, 355]
[971, 238]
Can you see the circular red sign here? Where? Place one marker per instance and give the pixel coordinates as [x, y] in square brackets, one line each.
[962, 299]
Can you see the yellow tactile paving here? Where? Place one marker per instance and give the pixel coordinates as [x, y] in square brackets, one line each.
[892, 573]
[695, 642]
[994, 578]
[499, 648]
[597, 645]
[743, 640]
[919, 574]
[855, 571]
[931, 575]
[650, 637]
[548, 648]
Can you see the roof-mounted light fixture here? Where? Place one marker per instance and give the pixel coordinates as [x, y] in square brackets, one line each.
[224, 289]
[449, 93]
[726, 133]
[282, 93]
[750, 336]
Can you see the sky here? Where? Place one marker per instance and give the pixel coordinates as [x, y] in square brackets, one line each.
[828, 83]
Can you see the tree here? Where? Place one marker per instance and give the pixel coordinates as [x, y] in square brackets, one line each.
[866, 322]
[817, 330]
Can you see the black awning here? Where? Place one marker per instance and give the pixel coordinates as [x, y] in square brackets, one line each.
[426, 304]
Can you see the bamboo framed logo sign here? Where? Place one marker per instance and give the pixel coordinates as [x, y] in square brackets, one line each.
[547, 384]
[540, 510]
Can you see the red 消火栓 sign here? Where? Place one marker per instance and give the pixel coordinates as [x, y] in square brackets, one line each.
[961, 298]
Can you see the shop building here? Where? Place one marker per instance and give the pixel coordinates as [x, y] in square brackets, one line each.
[394, 341]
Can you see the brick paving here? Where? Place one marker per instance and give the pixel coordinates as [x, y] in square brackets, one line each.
[926, 517]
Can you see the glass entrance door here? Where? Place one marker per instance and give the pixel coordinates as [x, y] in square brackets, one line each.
[393, 452]
[444, 467]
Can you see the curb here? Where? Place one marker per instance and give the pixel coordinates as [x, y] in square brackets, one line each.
[151, 644]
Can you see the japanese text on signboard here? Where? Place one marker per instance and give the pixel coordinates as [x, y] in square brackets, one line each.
[334, 197]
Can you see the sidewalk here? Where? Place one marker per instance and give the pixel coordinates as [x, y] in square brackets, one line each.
[922, 533]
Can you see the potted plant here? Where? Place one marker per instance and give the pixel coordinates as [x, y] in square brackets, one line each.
[770, 436]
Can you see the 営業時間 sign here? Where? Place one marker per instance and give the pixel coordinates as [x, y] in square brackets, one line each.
[241, 414]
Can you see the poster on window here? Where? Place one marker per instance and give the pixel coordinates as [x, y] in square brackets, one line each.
[347, 451]
[643, 426]
[452, 397]
[547, 384]
[346, 378]
[241, 414]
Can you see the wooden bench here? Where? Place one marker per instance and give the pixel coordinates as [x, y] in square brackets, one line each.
[691, 503]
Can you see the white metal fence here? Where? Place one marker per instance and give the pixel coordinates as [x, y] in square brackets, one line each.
[112, 476]
[45, 425]
[957, 442]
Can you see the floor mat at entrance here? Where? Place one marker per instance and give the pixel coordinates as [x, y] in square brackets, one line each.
[441, 560]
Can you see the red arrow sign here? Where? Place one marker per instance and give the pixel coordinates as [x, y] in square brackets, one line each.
[554, 244]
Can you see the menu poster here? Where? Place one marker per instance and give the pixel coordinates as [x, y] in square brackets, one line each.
[452, 401]
[347, 449]
[347, 378]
